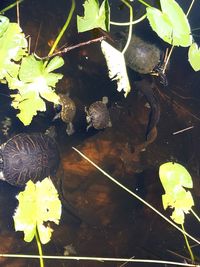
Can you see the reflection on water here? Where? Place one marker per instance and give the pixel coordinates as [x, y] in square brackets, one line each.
[107, 221]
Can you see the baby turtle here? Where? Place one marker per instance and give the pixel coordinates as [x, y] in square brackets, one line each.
[67, 113]
[28, 157]
[98, 115]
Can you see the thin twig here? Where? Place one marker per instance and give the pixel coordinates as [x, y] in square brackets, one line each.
[135, 195]
[67, 49]
[183, 130]
[100, 259]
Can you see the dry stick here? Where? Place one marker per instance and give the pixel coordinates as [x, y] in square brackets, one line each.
[67, 49]
[135, 195]
[100, 259]
[183, 130]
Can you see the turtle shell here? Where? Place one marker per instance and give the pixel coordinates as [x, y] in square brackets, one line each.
[68, 108]
[99, 115]
[29, 157]
[141, 56]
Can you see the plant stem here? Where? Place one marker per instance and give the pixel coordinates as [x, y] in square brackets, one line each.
[188, 245]
[135, 195]
[128, 23]
[172, 48]
[130, 26]
[144, 3]
[190, 7]
[63, 28]
[39, 248]
[195, 215]
[10, 6]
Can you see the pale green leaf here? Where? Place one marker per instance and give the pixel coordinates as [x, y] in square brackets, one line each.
[13, 46]
[171, 24]
[31, 68]
[34, 85]
[175, 178]
[194, 56]
[94, 16]
[173, 174]
[25, 214]
[116, 67]
[178, 216]
[28, 104]
[55, 63]
[38, 204]
[52, 78]
[4, 22]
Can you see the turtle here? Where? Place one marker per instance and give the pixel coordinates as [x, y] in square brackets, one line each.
[67, 113]
[26, 157]
[98, 115]
[140, 56]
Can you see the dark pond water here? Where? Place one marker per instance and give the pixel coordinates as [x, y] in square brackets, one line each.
[99, 218]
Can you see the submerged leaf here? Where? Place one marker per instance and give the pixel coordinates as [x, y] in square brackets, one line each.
[38, 203]
[194, 56]
[94, 16]
[116, 67]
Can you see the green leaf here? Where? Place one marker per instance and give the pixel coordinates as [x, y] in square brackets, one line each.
[28, 104]
[35, 83]
[174, 174]
[55, 63]
[194, 56]
[31, 68]
[171, 24]
[94, 17]
[4, 22]
[38, 204]
[174, 177]
[116, 66]
[13, 46]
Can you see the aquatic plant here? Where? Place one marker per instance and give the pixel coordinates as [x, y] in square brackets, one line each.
[38, 204]
[175, 179]
[33, 77]
[170, 23]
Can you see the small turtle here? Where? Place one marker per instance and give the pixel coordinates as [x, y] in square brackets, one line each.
[98, 115]
[28, 157]
[67, 113]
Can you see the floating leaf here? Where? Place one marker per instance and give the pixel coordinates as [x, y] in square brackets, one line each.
[194, 56]
[171, 24]
[28, 104]
[13, 46]
[55, 63]
[116, 66]
[174, 178]
[94, 16]
[38, 204]
[4, 22]
[34, 84]
[174, 174]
